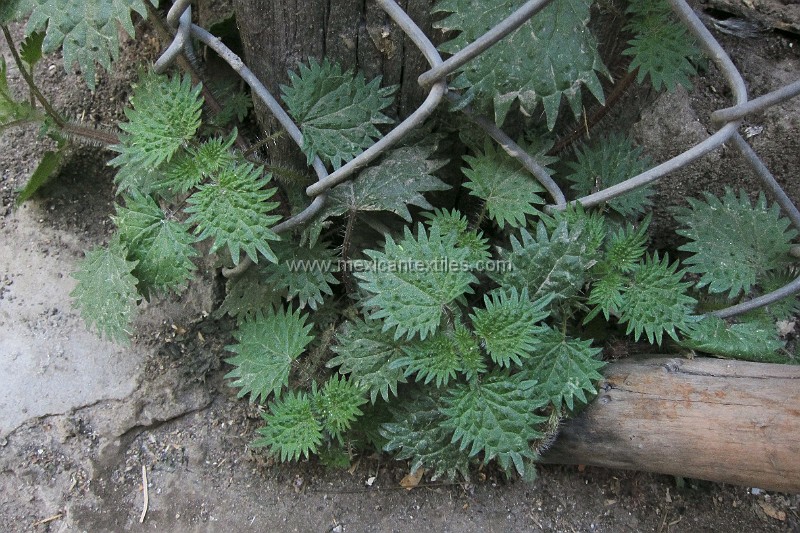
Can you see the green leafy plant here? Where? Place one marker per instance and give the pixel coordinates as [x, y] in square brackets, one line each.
[733, 242]
[551, 56]
[446, 317]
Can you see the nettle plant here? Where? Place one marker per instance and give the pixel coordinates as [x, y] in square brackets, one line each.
[447, 329]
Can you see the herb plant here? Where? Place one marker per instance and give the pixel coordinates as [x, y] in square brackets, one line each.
[447, 328]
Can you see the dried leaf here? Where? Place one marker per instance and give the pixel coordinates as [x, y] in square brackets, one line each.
[412, 480]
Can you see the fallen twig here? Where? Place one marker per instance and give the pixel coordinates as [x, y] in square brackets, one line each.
[146, 494]
[47, 520]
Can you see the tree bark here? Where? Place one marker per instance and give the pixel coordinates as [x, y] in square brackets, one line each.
[713, 419]
[280, 34]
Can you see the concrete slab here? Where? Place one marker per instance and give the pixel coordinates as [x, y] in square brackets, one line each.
[49, 362]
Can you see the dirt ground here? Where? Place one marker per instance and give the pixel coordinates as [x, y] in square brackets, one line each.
[83, 421]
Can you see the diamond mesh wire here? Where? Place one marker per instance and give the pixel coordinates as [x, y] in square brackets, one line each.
[727, 120]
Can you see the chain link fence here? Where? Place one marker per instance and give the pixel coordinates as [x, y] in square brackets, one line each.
[727, 120]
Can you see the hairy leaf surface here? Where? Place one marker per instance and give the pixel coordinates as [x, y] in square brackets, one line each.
[565, 368]
[509, 190]
[106, 292]
[495, 416]
[509, 325]
[547, 265]
[366, 353]
[734, 243]
[337, 111]
[417, 433]
[655, 302]
[292, 430]
[161, 246]
[234, 210]
[304, 273]
[662, 47]
[611, 161]
[411, 284]
[398, 180]
[164, 115]
[440, 357]
[337, 405]
[264, 353]
[552, 55]
[453, 224]
[86, 30]
[749, 341]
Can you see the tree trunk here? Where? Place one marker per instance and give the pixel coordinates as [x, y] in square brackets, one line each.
[279, 34]
[713, 419]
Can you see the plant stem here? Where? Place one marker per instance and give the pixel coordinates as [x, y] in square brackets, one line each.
[106, 138]
[481, 217]
[347, 280]
[49, 109]
[591, 120]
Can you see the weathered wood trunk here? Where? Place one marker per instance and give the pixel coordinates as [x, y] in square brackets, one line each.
[713, 419]
[278, 35]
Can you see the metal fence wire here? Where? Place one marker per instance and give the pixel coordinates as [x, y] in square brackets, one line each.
[727, 120]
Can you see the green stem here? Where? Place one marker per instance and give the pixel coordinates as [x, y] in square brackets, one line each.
[21, 122]
[481, 217]
[348, 234]
[49, 109]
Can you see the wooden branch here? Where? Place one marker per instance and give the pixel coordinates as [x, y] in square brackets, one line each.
[713, 419]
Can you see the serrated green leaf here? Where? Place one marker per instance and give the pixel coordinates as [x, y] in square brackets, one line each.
[608, 162]
[161, 246]
[366, 352]
[547, 265]
[338, 405]
[507, 188]
[106, 291]
[233, 208]
[749, 341]
[302, 272]
[552, 55]
[31, 48]
[662, 47]
[292, 430]
[47, 168]
[164, 115]
[733, 242]
[509, 324]
[13, 112]
[417, 434]
[655, 302]
[337, 112]
[453, 224]
[606, 295]
[625, 247]
[398, 180]
[413, 282]
[87, 31]
[495, 416]
[250, 296]
[440, 357]
[565, 368]
[265, 351]
[192, 166]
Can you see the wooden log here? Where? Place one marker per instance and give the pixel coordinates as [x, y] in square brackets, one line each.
[712, 419]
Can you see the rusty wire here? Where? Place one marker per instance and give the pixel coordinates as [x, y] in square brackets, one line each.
[727, 120]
